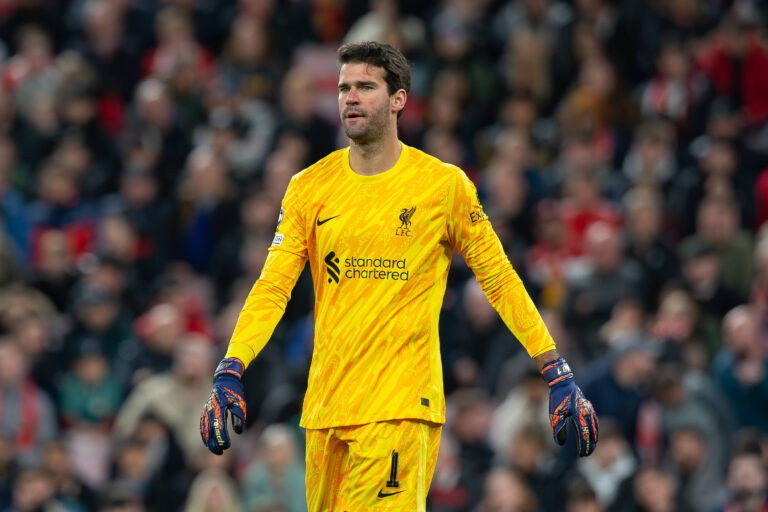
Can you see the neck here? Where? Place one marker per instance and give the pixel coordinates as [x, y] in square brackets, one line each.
[374, 156]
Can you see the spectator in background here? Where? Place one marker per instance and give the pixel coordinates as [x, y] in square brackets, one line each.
[8, 470]
[471, 426]
[676, 325]
[384, 17]
[583, 204]
[718, 174]
[34, 490]
[27, 415]
[598, 109]
[12, 202]
[646, 244]
[167, 477]
[651, 158]
[140, 201]
[676, 90]
[701, 270]
[247, 68]
[33, 135]
[259, 212]
[172, 396]
[476, 342]
[653, 491]
[521, 409]
[620, 382]
[91, 153]
[547, 260]
[513, 187]
[69, 488]
[60, 206]
[718, 226]
[55, 274]
[612, 465]
[526, 65]
[505, 490]
[207, 208]
[272, 479]
[698, 471]
[89, 395]
[150, 351]
[606, 279]
[736, 62]
[747, 483]
[449, 491]
[114, 57]
[242, 135]
[741, 367]
[31, 72]
[582, 499]
[29, 320]
[759, 293]
[215, 490]
[99, 315]
[176, 43]
[155, 127]
[531, 457]
[298, 114]
[691, 401]
[122, 504]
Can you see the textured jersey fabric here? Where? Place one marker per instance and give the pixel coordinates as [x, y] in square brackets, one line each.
[379, 248]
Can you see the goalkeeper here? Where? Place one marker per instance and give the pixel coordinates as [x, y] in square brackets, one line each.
[378, 222]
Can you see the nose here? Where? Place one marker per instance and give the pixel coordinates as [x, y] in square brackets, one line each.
[352, 96]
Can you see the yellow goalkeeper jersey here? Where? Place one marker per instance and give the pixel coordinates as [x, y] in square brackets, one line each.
[379, 248]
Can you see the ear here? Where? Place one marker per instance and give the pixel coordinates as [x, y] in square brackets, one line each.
[397, 100]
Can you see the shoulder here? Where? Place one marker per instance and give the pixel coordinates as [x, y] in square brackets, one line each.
[435, 166]
[320, 169]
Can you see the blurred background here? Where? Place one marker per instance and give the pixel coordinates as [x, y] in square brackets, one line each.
[619, 147]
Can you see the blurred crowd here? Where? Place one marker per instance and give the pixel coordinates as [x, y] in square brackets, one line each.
[620, 149]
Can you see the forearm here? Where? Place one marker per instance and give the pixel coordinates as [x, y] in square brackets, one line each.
[507, 294]
[264, 306]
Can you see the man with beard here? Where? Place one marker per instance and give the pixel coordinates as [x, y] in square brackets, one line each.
[378, 222]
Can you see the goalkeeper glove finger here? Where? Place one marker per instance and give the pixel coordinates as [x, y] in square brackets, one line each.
[567, 404]
[227, 396]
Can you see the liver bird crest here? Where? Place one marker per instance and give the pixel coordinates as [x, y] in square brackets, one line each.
[405, 217]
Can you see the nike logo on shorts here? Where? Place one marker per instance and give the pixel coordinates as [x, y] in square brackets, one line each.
[384, 495]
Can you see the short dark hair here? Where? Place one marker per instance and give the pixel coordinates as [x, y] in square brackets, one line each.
[397, 71]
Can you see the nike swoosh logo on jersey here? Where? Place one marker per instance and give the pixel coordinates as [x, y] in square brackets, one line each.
[384, 495]
[321, 222]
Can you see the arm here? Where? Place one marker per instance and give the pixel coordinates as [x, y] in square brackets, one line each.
[265, 305]
[262, 311]
[266, 302]
[470, 232]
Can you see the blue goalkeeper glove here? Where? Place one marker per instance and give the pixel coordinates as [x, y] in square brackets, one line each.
[567, 402]
[227, 395]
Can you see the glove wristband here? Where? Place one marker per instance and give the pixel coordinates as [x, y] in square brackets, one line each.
[557, 371]
[229, 366]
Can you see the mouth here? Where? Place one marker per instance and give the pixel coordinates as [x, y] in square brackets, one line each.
[353, 115]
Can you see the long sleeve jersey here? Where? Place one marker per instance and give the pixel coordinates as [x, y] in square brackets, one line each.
[379, 248]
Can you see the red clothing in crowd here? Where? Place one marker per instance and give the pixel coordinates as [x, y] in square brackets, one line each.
[718, 65]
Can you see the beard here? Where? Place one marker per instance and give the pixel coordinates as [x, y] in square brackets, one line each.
[369, 128]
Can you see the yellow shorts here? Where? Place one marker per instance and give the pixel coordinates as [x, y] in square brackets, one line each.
[386, 465]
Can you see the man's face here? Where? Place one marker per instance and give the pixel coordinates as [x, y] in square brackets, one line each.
[365, 105]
